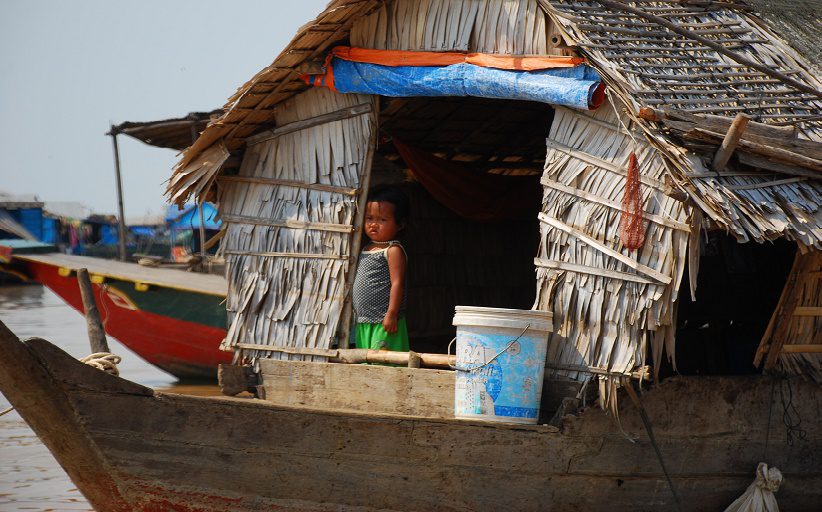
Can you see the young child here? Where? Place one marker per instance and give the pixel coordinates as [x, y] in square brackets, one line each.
[379, 285]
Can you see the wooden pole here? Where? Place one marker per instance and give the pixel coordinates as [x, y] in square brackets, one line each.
[96, 333]
[723, 154]
[121, 235]
[201, 202]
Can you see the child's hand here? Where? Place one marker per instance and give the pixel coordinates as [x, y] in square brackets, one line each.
[389, 323]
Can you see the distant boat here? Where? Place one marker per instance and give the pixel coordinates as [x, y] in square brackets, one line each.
[173, 319]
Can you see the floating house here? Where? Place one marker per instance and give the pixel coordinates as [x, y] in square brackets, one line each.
[536, 181]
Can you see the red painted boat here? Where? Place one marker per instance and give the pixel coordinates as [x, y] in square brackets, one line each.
[173, 319]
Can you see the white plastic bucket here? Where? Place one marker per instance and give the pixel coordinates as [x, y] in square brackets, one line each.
[500, 363]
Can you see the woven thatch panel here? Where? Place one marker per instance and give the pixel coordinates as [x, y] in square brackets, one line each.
[489, 26]
[288, 241]
[608, 302]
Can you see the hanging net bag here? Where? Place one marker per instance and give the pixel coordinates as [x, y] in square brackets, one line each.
[631, 227]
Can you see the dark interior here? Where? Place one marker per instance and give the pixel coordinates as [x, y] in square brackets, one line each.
[453, 260]
[738, 288]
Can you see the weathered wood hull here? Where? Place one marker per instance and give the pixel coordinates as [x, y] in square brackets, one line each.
[176, 330]
[130, 448]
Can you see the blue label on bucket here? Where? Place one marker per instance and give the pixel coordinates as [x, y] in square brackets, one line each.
[498, 379]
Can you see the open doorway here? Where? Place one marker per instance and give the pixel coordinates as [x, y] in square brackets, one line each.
[455, 256]
[738, 289]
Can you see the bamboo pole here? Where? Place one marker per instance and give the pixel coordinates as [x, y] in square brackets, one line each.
[362, 355]
[96, 333]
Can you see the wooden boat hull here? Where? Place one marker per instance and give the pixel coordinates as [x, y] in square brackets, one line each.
[176, 330]
[130, 448]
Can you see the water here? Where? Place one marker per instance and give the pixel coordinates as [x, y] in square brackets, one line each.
[30, 478]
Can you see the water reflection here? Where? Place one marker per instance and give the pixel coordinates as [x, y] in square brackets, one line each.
[30, 478]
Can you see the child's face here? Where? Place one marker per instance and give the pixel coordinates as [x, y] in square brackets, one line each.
[380, 224]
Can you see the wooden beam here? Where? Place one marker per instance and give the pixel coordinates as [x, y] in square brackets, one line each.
[813, 348]
[729, 143]
[287, 223]
[337, 115]
[639, 267]
[585, 269]
[289, 183]
[807, 311]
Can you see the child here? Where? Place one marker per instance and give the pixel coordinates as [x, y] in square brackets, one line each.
[379, 285]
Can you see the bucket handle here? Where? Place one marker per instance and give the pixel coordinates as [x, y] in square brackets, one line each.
[483, 365]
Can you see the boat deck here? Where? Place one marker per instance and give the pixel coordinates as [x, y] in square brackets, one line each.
[170, 278]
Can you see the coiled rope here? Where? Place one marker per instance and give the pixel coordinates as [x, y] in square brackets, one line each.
[105, 361]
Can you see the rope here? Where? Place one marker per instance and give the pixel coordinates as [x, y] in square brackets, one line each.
[790, 414]
[101, 360]
[483, 365]
[105, 361]
[646, 422]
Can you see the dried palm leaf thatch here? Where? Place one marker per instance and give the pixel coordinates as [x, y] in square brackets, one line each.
[647, 64]
[290, 217]
[515, 27]
[198, 176]
[608, 302]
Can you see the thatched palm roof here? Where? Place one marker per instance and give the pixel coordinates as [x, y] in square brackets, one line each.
[706, 57]
[174, 133]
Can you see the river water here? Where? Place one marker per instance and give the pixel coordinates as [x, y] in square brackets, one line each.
[30, 478]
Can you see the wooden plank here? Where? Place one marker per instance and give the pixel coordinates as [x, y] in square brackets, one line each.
[289, 183]
[657, 219]
[639, 267]
[209, 284]
[337, 115]
[286, 223]
[347, 313]
[807, 311]
[576, 267]
[364, 388]
[601, 163]
[812, 348]
[766, 184]
[762, 149]
[289, 255]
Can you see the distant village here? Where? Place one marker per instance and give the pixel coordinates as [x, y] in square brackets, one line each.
[73, 228]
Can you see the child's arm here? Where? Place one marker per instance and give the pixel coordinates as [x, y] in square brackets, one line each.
[396, 270]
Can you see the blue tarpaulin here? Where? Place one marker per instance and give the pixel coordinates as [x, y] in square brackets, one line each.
[189, 217]
[577, 87]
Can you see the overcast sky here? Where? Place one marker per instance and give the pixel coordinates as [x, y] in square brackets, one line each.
[70, 69]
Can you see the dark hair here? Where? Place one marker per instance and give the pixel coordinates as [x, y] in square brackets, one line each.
[395, 196]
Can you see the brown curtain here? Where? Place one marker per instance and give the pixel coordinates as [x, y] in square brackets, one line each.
[471, 194]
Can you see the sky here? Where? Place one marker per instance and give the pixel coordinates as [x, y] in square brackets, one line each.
[71, 69]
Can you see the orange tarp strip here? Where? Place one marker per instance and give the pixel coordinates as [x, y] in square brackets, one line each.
[396, 58]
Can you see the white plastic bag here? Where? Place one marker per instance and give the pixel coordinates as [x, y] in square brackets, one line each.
[758, 497]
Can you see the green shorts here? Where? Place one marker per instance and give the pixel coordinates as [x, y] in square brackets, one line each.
[372, 336]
